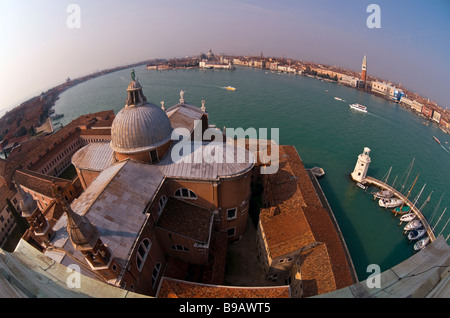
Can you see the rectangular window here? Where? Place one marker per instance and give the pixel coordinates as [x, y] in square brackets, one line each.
[153, 156]
[231, 231]
[231, 214]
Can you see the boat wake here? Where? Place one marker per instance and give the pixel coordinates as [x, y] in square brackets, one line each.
[229, 88]
[443, 147]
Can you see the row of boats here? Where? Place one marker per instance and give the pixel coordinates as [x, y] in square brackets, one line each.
[414, 228]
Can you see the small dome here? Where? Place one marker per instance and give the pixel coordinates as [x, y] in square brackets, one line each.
[139, 126]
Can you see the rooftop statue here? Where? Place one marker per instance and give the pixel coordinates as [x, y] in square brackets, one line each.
[133, 75]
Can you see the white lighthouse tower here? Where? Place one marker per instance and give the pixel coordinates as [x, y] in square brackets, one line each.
[361, 167]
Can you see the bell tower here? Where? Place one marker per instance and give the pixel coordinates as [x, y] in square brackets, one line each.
[364, 70]
[41, 229]
[361, 167]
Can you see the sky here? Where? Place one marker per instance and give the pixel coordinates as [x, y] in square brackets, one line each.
[44, 42]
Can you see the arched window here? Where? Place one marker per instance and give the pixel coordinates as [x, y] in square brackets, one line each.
[142, 253]
[155, 274]
[185, 194]
[161, 204]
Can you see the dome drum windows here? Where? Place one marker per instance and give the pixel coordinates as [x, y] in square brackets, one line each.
[185, 194]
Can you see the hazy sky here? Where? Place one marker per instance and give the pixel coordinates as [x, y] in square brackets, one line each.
[38, 50]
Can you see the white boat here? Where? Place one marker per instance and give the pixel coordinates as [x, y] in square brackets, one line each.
[338, 98]
[413, 225]
[420, 244]
[318, 172]
[416, 234]
[408, 217]
[385, 194]
[359, 107]
[390, 202]
[362, 186]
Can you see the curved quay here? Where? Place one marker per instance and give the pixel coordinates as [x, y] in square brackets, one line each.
[420, 216]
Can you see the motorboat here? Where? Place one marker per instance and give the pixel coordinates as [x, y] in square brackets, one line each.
[401, 210]
[408, 217]
[420, 244]
[230, 88]
[385, 194]
[362, 186]
[413, 225]
[318, 172]
[390, 203]
[359, 107]
[437, 140]
[416, 234]
[338, 98]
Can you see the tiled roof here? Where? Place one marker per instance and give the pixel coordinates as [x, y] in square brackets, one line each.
[321, 222]
[5, 193]
[115, 204]
[285, 226]
[316, 272]
[301, 218]
[172, 288]
[38, 182]
[183, 116]
[206, 161]
[95, 156]
[186, 219]
[29, 151]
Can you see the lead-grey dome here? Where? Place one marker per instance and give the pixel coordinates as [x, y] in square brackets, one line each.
[139, 126]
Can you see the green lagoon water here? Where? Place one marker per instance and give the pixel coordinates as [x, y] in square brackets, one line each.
[325, 132]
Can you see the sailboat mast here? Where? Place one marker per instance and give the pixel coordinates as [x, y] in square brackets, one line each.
[439, 219]
[426, 201]
[393, 184]
[409, 192]
[444, 227]
[418, 196]
[436, 208]
[388, 174]
[409, 171]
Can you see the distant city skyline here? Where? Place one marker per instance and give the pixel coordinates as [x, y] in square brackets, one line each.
[40, 47]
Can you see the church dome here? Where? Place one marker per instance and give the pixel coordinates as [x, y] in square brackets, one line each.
[139, 126]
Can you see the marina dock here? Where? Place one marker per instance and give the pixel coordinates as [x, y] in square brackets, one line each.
[383, 186]
[359, 175]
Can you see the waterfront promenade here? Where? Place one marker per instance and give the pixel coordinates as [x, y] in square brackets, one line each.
[383, 186]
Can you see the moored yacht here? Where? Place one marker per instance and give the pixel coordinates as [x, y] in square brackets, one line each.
[390, 202]
[413, 225]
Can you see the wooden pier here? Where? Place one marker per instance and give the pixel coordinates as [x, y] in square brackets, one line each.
[420, 216]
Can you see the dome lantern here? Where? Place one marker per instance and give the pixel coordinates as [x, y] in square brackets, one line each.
[140, 127]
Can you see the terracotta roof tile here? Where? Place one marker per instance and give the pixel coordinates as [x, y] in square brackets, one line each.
[316, 271]
[302, 218]
[172, 288]
[39, 182]
[186, 219]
